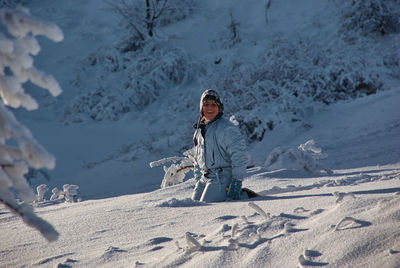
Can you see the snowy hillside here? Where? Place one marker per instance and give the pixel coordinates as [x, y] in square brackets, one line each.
[107, 121]
[289, 73]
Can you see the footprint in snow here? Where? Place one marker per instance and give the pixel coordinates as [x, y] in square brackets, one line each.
[307, 262]
[111, 252]
[317, 211]
[300, 210]
[225, 218]
[50, 259]
[350, 223]
[290, 216]
[67, 263]
[63, 265]
[156, 248]
[159, 240]
[308, 258]
[289, 228]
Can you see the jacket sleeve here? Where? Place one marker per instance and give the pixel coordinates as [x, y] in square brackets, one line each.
[235, 146]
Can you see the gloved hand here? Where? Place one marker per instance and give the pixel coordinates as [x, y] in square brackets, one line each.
[235, 188]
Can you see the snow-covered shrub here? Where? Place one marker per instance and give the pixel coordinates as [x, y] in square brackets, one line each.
[230, 35]
[292, 78]
[69, 192]
[41, 190]
[175, 173]
[370, 16]
[305, 157]
[16, 68]
[123, 82]
[11, 3]
[55, 194]
[142, 18]
[177, 10]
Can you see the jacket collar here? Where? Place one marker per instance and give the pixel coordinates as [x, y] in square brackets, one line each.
[201, 123]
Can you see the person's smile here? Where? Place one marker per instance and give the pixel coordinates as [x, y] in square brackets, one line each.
[210, 110]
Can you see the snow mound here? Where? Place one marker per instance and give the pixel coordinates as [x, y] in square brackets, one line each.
[187, 202]
[302, 158]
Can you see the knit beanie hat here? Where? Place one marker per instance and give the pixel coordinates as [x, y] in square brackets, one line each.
[210, 94]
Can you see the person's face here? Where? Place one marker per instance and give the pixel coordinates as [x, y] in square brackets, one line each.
[210, 110]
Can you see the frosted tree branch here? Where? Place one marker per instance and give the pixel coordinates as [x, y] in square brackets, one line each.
[16, 68]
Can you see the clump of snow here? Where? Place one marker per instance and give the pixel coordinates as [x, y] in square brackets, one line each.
[305, 157]
[41, 190]
[193, 244]
[69, 193]
[55, 194]
[186, 202]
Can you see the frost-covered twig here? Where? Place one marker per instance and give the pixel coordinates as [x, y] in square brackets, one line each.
[177, 246]
[258, 209]
[234, 229]
[193, 244]
[244, 218]
[166, 160]
[16, 68]
[16, 55]
[257, 237]
[288, 227]
[175, 173]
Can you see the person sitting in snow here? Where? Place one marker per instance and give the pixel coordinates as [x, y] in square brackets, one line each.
[220, 153]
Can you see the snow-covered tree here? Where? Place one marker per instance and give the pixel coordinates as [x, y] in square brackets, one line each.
[16, 67]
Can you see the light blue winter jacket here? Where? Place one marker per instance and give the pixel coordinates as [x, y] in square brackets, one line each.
[222, 151]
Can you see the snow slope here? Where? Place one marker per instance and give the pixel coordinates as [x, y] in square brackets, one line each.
[349, 219]
[125, 220]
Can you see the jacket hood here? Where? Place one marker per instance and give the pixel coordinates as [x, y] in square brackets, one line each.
[211, 94]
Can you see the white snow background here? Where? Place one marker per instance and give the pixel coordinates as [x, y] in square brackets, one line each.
[350, 218]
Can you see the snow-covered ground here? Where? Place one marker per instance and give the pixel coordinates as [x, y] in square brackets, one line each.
[347, 219]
